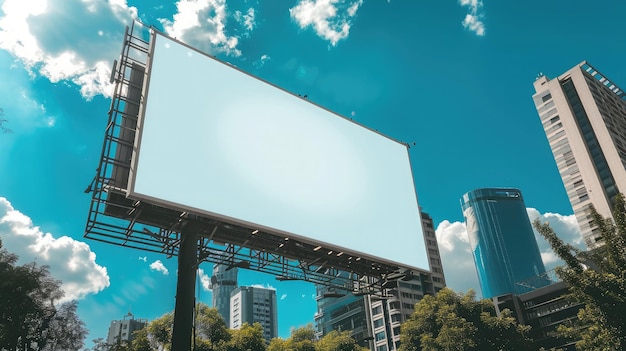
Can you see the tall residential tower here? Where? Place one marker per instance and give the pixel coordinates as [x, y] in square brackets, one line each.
[584, 117]
[503, 243]
[251, 304]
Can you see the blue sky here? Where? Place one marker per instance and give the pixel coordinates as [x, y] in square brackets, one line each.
[455, 77]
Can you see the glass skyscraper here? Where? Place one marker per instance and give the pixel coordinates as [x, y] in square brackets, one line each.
[502, 240]
[223, 282]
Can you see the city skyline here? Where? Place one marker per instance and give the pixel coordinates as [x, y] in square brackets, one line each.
[455, 78]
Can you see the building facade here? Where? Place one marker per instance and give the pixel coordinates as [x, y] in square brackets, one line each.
[121, 331]
[584, 118]
[502, 240]
[223, 282]
[543, 309]
[374, 322]
[250, 305]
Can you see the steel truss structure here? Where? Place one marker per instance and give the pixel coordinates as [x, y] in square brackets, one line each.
[116, 219]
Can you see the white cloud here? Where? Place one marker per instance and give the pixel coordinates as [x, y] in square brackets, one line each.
[71, 261]
[266, 286]
[331, 19]
[473, 19]
[205, 280]
[47, 40]
[247, 19]
[261, 61]
[456, 256]
[457, 259]
[283, 296]
[566, 227]
[159, 267]
[202, 23]
[144, 258]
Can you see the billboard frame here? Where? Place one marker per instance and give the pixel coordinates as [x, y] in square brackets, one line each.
[117, 218]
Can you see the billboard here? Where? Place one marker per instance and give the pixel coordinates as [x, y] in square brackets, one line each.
[221, 143]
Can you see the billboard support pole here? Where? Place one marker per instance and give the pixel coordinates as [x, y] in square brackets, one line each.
[185, 287]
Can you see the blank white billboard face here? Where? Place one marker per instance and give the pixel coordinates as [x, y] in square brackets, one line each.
[219, 142]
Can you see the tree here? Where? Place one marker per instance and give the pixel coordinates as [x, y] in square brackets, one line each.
[210, 325]
[29, 318]
[66, 331]
[160, 332]
[211, 332]
[247, 338]
[453, 321]
[596, 278]
[337, 341]
[301, 339]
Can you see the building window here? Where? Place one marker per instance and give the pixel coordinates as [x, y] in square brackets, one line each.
[380, 336]
[377, 310]
[378, 323]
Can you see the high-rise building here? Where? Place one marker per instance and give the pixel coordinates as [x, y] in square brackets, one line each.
[502, 240]
[223, 282]
[121, 331]
[584, 117]
[544, 310]
[250, 304]
[374, 322]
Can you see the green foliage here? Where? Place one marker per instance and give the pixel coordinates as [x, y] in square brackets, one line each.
[301, 339]
[140, 340]
[452, 321]
[29, 318]
[160, 332]
[247, 338]
[210, 325]
[211, 333]
[337, 341]
[602, 288]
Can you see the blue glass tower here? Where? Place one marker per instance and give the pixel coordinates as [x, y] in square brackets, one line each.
[503, 244]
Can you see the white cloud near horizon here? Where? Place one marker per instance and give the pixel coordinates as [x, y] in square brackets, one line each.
[205, 280]
[202, 24]
[457, 259]
[330, 19]
[473, 19]
[158, 266]
[262, 286]
[70, 261]
[47, 40]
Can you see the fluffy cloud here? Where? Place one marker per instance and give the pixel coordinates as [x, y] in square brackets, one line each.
[66, 40]
[566, 227]
[246, 19]
[201, 23]
[473, 19]
[331, 19]
[205, 280]
[158, 266]
[71, 261]
[283, 296]
[456, 256]
[458, 261]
